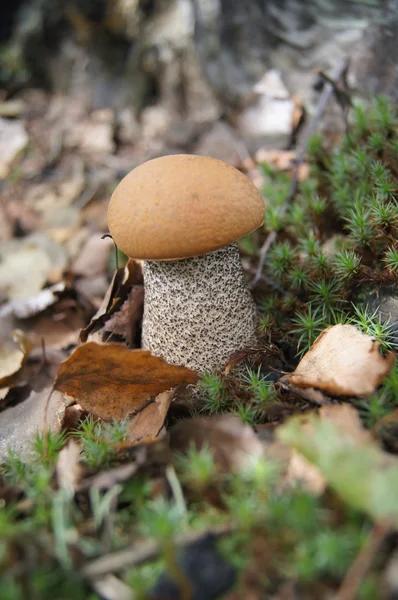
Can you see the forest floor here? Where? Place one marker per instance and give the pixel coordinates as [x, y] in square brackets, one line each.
[275, 479]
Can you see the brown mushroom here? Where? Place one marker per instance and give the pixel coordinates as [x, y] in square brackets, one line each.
[182, 215]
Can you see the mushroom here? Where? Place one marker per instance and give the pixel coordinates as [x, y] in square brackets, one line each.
[182, 215]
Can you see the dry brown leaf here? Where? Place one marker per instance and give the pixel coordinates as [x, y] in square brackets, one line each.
[232, 443]
[124, 321]
[353, 464]
[13, 353]
[343, 361]
[112, 381]
[93, 257]
[118, 291]
[149, 422]
[57, 330]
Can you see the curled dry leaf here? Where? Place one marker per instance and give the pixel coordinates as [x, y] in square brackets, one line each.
[343, 361]
[111, 381]
[119, 289]
[124, 321]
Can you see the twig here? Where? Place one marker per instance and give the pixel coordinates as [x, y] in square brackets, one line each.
[361, 565]
[309, 131]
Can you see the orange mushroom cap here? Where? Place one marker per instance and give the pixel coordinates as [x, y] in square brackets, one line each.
[182, 205]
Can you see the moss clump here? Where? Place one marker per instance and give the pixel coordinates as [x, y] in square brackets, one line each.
[338, 239]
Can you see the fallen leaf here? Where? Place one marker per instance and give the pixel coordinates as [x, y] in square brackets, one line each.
[21, 217]
[13, 353]
[232, 443]
[26, 265]
[22, 308]
[343, 361]
[20, 424]
[93, 257]
[358, 470]
[56, 329]
[94, 134]
[13, 139]
[111, 381]
[118, 291]
[124, 321]
[149, 422]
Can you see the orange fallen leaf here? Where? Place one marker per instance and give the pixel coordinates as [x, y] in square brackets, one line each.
[111, 381]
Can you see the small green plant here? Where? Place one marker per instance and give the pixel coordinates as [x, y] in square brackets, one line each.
[48, 446]
[281, 259]
[261, 390]
[328, 553]
[390, 259]
[374, 408]
[373, 325]
[298, 278]
[346, 264]
[100, 440]
[390, 385]
[359, 225]
[384, 214]
[326, 294]
[308, 326]
[197, 467]
[214, 393]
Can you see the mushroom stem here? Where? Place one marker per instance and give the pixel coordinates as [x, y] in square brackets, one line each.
[199, 310]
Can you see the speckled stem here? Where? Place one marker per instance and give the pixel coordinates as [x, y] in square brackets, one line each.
[198, 311]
